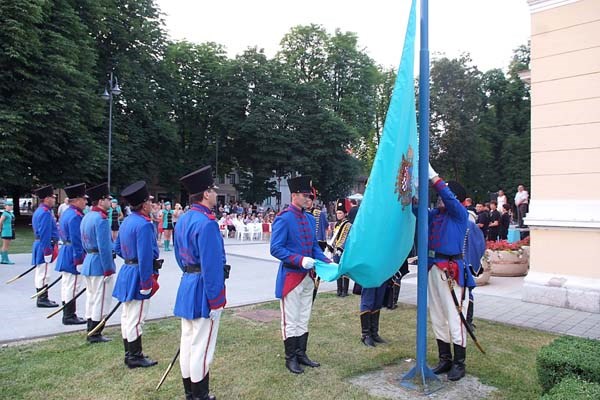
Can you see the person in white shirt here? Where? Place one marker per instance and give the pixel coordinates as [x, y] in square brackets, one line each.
[522, 204]
[63, 207]
[501, 200]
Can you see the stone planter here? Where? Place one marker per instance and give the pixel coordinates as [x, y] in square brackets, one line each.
[508, 262]
[484, 278]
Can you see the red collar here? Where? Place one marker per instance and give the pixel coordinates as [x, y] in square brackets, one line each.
[100, 210]
[142, 215]
[204, 210]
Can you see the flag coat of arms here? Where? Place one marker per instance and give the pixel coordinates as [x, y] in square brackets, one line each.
[383, 233]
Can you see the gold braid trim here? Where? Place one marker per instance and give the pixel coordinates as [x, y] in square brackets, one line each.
[340, 240]
[317, 214]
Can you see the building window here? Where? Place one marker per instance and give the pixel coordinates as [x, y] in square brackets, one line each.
[232, 179]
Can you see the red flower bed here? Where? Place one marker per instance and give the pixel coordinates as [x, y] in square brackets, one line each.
[504, 245]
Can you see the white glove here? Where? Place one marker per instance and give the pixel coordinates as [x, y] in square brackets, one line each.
[48, 259]
[432, 173]
[338, 253]
[146, 292]
[215, 314]
[308, 263]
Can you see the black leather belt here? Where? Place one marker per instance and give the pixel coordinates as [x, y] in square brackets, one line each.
[92, 251]
[193, 269]
[447, 257]
[131, 261]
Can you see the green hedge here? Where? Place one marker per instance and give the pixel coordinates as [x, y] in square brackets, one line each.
[568, 356]
[573, 389]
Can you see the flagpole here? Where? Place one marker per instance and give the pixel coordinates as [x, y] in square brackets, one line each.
[420, 377]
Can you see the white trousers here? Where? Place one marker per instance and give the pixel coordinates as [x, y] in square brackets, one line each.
[98, 296]
[42, 274]
[445, 320]
[133, 317]
[69, 286]
[296, 308]
[197, 349]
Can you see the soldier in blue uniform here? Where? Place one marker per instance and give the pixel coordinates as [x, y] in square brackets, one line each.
[294, 243]
[137, 278]
[98, 266]
[45, 245]
[71, 254]
[321, 223]
[447, 230]
[200, 253]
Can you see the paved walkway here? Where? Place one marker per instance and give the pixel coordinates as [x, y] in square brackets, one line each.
[253, 281]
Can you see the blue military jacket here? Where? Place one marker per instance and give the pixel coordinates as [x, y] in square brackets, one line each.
[97, 242]
[44, 230]
[198, 242]
[447, 230]
[136, 244]
[71, 253]
[321, 223]
[293, 238]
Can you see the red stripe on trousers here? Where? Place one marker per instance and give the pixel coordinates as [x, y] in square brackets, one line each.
[207, 345]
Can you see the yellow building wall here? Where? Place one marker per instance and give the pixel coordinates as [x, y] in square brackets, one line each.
[564, 215]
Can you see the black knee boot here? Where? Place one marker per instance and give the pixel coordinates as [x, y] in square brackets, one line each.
[69, 315]
[301, 352]
[200, 390]
[136, 357]
[126, 346]
[340, 286]
[345, 285]
[187, 388]
[291, 358]
[445, 357]
[365, 327]
[43, 301]
[375, 327]
[458, 369]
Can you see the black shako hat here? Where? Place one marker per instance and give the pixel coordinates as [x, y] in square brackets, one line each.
[136, 193]
[45, 191]
[198, 181]
[99, 192]
[340, 205]
[75, 191]
[459, 191]
[300, 184]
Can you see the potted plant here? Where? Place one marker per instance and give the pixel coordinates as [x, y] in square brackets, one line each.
[508, 259]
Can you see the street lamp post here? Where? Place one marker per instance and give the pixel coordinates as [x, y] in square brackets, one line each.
[111, 89]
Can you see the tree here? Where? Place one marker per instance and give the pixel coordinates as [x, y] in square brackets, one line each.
[48, 63]
[455, 103]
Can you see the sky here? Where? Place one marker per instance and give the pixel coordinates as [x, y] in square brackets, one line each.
[487, 29]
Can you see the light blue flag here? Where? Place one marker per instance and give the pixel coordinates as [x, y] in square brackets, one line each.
[383, 232]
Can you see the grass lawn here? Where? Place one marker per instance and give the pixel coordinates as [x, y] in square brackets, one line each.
[23, 240]
[249, 361]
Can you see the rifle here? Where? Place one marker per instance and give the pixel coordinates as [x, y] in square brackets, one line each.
[460, 314]
[41, 292]
[101, 324]
[169, 368]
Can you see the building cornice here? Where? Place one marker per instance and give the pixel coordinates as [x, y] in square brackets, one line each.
[543, 5]
[563, 213]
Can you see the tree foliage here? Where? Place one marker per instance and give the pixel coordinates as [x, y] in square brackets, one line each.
[317, 107]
